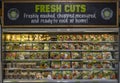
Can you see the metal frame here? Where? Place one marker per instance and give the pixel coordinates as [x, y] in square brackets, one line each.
[59, 29]
[1, 55]
[73, 30]
[119, 42]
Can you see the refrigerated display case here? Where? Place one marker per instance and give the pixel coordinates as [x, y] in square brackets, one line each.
[60, 55]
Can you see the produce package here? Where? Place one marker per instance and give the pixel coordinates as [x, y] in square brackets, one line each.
[53, 46]
[87, 75]
[97, 55]
[65, 46]
[55, 55]
[46, 46]
[107, 37]
[71, 46]
[77, 74]
[113, 75]
[107, 64]
[98, 65]
[78, 46]
[24, 75]
[46, 74]
[84, 56]
[56, 46]
[79, 37]
[24, 37]
[9, 46]
[88, 46]
[43, 64]
[65, 55]
[26, 55]
[22, 46]
[41, 37]
[60, 38]
[65, 64]
[107, 74]
[28, 46]
[16, 46]
[66, 37]
[90, 37]
[88, 65]
[38, 76]
[98, 74]
[7, 37]
[77, 65]
[76, 55]
[107, 55]
[32, 75]
[55, 64]
[57, 75]
[106, 46]
[88, 55]
[11, 55]
[41, 55]
[97, 46]
[67, 75]
[37, 46]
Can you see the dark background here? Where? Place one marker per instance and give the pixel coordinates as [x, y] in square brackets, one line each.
[91, 8]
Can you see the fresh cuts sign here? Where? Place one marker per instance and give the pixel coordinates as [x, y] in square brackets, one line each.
[80, 14]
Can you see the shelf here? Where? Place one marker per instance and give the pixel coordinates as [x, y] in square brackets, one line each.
[54, 81]
[61, 69]
[60, 41]
[32, 66]
[36, 60]
[27, 51]
[62, 51]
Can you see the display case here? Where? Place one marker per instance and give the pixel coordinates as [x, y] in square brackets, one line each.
[30, 55]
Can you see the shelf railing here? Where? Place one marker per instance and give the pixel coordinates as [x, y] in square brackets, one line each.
[60, 50]
[60, 69]
[60, 41]
[84, 60]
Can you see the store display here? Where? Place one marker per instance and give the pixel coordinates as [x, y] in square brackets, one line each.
[59, 57]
